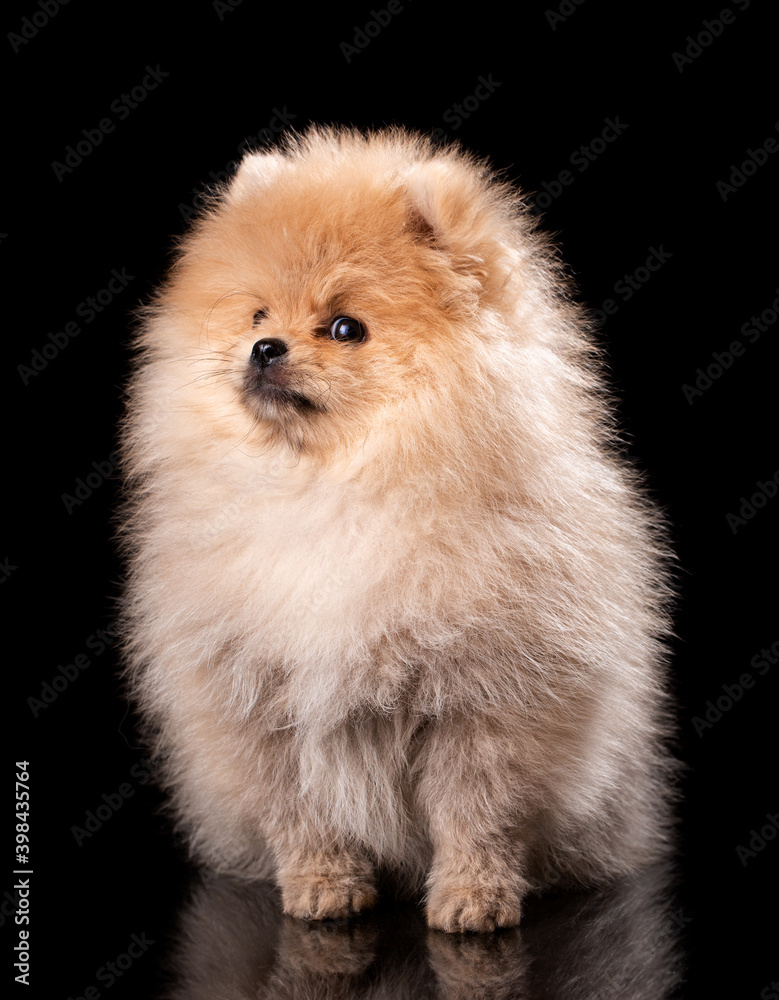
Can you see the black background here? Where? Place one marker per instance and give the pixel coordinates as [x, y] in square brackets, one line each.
[229, 72]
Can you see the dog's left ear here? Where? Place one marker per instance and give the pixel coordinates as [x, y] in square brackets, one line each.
[456, 207]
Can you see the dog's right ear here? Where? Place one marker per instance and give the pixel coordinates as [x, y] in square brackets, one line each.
[255, 172]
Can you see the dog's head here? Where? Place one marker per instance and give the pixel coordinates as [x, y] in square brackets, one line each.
[342, 283]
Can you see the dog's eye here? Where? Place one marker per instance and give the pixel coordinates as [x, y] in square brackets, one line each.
[345, 329]
[259, 316]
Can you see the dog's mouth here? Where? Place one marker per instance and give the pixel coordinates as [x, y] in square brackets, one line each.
[270, 388]
[275, 388]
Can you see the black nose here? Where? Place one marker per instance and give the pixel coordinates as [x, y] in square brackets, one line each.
[266, 351]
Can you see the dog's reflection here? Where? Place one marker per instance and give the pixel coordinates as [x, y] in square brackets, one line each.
[617, 944]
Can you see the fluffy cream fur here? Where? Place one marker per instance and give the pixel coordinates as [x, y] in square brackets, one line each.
[394, 606]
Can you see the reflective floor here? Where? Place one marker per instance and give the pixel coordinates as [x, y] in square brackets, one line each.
[234, 942]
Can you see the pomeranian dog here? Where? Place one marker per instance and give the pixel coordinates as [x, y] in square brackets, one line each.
[396, 609]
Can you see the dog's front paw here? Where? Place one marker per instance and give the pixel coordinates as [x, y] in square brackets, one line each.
[327, 885]
[324, 897]
[472, 907]
[477, 891]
